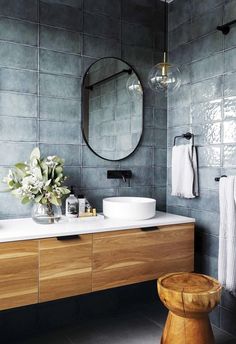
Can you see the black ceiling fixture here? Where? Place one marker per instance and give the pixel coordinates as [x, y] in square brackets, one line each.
[225, 28]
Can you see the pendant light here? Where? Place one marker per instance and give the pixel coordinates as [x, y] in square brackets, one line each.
[164, 77]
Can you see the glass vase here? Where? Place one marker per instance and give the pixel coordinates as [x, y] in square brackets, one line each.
[46, 214]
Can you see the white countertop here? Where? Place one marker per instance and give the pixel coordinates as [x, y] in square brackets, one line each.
[26, 229]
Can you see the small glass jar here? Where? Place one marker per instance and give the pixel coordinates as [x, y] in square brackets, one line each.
[46, 214]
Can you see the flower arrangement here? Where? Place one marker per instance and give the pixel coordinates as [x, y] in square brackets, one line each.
[40, 180]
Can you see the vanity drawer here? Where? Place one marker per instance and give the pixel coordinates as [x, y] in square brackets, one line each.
[18, 274]
[65, 267]
[136, 255]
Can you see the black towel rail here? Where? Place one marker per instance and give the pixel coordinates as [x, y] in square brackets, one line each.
[187, 136]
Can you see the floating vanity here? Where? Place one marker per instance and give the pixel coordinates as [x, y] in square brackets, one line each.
[40, 263]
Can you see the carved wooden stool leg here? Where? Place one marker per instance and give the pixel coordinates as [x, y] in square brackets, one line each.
[180, 330]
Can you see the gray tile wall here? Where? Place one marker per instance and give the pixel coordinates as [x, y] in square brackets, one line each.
[45, 47]
[206, 105]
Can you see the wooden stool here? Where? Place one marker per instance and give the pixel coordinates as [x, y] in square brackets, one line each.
[189, 298]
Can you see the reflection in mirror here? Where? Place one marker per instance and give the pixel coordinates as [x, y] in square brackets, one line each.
[112, 109]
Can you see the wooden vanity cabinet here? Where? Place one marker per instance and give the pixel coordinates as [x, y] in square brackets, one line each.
[18, 274]
[65, 267]
[35, 271]
[137, 255]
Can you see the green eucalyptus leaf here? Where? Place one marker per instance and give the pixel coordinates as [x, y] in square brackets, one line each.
[21, 166]
[25, 200]
[44, 200]
[38, 198]
[58, 170]
[54, 199]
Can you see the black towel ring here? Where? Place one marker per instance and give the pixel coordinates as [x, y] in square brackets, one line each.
[187, 136]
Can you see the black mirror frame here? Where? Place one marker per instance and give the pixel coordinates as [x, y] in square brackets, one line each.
[82, 111]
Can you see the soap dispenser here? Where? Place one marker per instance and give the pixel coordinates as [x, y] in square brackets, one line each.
[72, 204]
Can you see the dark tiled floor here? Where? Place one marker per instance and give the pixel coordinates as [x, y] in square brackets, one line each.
[137, 326]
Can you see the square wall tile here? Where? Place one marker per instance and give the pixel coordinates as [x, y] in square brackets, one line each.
[59, 63]
[100, 25]
[60, 40]
[138, 56]
[16, 152]
[207, 134]
[137, 35]
[178, 116]
[229, 131]
[207, 90]
[206, 45]
[70, 153]
[209, 156]
[18, 80]
[207, 222]
[18, 129]
[60, 15]
[230, 107]
[22, 9]
[57, 109]
[18, 31]
[207, 68]
[101, 47]
[22, 105]
[207, 23]
[142, 156]
[229, 156]
[18, 56]
[207, 112]
[59, 132]
[142, 175]
[59, 86]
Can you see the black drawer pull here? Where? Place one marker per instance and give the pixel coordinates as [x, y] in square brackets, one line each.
[68, 237]
[150, 229]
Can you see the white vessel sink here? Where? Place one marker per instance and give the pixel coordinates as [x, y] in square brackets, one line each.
[129, 208]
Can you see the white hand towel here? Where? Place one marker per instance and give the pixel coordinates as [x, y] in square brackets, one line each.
[184, 171]
[227, 235]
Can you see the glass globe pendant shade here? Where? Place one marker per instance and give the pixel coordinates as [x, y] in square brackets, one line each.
[134, 87]
[164, 77]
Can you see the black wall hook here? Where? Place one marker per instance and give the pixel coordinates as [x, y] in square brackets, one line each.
[225, 29]
[187, 136]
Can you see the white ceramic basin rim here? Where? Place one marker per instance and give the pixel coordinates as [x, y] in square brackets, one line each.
[129, 208]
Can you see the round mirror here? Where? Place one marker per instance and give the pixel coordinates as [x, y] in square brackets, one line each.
[112, 108]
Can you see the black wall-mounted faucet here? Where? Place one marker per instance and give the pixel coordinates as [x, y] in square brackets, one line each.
[119, 174]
